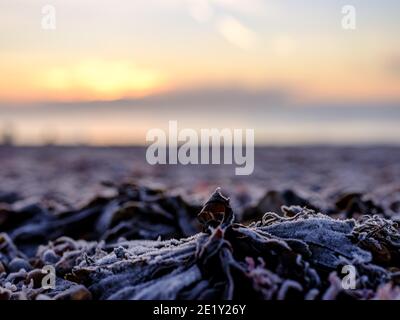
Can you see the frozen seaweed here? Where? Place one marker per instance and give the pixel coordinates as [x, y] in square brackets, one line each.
[112, 249]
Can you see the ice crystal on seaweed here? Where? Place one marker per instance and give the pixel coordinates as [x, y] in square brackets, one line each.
[297, 253]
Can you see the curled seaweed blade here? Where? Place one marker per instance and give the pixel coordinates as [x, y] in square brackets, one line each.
[216, 211]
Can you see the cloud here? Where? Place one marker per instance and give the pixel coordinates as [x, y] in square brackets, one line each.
[236, 33]
[251, 7]
[231, 28]
[200, 10]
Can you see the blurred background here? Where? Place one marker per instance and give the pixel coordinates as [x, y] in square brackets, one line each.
[111, 70]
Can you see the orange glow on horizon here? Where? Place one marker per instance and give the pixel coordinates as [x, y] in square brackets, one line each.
[84, 81]
[107, 80]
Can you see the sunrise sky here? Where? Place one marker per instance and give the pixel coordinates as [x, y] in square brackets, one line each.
[158, 54]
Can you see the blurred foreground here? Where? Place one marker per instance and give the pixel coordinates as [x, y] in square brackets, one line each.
[112, 227]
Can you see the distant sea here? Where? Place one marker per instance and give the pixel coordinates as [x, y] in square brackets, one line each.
[119, 123]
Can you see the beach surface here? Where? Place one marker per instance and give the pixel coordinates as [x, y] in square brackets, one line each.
[111, 226]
